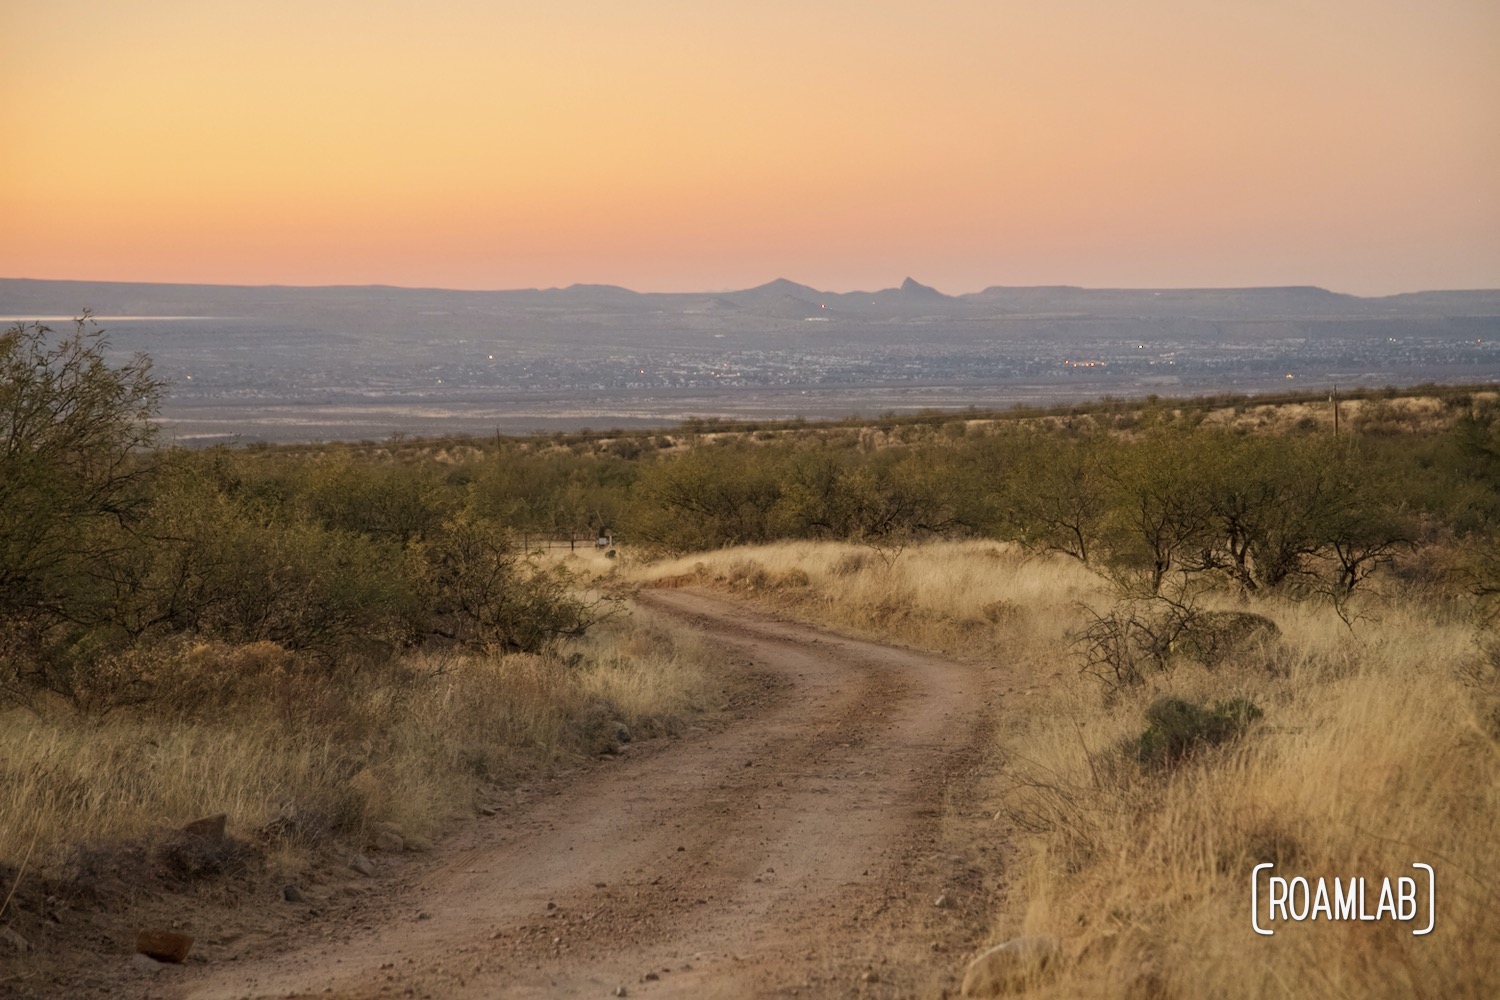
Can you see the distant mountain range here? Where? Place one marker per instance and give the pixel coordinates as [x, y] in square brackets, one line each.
[296, 363]
[778, 299]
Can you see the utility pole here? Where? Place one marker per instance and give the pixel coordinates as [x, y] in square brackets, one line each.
[1334, 399]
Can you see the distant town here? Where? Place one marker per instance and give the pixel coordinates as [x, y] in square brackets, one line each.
[353, 363]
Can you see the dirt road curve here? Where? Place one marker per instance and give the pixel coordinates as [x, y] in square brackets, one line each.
[799, 851]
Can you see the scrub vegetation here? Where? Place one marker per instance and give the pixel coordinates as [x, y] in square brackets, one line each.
[1237, 636]
[1356, 738]
[315, 646]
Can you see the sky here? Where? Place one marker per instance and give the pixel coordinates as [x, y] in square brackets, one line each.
[683, 145]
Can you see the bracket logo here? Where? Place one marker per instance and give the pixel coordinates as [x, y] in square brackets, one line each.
[1276, 899]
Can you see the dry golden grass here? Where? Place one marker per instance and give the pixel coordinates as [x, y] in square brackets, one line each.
[961, 598]
[1372, 755]
[1379, 747]
[296, 757]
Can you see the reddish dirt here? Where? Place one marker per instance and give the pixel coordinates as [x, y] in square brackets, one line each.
[799, 851]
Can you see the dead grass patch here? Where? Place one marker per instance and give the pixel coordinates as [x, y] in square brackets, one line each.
[299, 754]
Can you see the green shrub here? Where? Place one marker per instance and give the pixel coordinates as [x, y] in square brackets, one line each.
[482, 593]
[72, 479]
[1178, 729]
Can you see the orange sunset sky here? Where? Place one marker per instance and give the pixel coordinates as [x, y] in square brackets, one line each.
[692, 145]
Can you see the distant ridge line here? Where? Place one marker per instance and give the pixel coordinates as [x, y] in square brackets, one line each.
[781, 286]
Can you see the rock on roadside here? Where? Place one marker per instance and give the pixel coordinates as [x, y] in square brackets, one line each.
[164, 946]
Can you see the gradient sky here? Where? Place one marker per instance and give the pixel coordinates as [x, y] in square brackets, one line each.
[691, 145]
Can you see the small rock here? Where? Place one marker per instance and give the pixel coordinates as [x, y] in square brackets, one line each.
[417, 842]
[164, 946]
[14, 941]
[622, 733]
[1010, 967]
[291, 894]
[145, 963]
[209, 828]
[620, 991]
[943, 902]
[390, 842]
[363, 865]
[651, 977]
[551, 905]
[423, 915]
[484, 810]
[870, 977]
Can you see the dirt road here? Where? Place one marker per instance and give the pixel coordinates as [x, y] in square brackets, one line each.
[800, 851]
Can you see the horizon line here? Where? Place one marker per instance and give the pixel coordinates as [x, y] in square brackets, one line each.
[904, 286]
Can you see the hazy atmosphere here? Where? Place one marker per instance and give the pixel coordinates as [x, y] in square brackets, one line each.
[689, 147]
[700, 501]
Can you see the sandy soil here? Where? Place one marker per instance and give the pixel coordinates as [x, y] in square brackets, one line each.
[799, 851]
